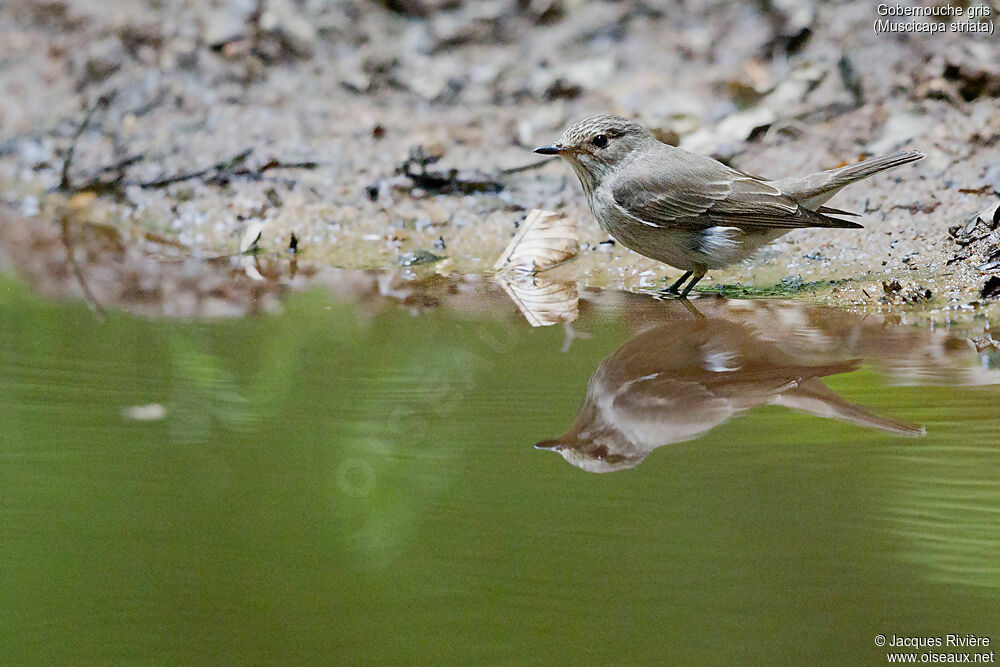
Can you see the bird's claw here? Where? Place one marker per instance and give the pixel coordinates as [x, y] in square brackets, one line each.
[669, 293]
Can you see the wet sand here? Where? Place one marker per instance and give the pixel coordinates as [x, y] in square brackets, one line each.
[330, 100]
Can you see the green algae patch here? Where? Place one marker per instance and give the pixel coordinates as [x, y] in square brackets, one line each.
[787, 287]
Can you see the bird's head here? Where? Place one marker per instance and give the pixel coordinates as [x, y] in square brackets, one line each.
[594, 145]
[593, 455]
[594, 445]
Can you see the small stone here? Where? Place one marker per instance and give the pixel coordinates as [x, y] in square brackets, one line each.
[419, 257]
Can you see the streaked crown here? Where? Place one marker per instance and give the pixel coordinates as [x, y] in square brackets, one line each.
[583, 132]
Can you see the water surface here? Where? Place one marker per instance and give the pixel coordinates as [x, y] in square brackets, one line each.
[354, 480]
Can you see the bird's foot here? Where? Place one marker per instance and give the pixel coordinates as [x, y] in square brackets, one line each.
[675, 289]
[699, 273]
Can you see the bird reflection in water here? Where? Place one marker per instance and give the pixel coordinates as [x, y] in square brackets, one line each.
[672, 381]
[677, 381]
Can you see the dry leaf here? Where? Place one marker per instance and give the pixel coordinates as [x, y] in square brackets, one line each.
[546, 239]
[251, 235]
[543, 302]
[249, 264]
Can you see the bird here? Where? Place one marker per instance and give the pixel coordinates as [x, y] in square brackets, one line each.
[689, 210]
[677, 381]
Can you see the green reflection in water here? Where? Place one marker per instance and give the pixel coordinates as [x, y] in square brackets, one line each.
[331, 486]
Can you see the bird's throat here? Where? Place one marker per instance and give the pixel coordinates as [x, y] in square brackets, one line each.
[587, 179]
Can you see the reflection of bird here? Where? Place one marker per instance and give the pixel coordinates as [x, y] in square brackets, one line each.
[676, 382]
[689, 210]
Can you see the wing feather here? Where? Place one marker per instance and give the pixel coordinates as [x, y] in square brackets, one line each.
[724, 197]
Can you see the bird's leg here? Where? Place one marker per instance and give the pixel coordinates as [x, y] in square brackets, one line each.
[698, 315]
[676, 287]
[699, 273]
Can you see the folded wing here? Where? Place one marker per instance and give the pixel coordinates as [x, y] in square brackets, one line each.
[713, 196]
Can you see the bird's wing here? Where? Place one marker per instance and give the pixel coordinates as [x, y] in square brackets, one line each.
[701, 197]
[659, 409]
[829, 210]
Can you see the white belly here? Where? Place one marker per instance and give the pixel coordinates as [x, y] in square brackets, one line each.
[713, 247]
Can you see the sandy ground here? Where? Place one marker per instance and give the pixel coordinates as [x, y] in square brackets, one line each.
[332, 97]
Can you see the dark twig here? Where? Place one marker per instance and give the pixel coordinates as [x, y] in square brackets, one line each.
[439, 181]
[225, 165]
[88, 296]
[122, 164]
[219, 173]
[99, 185]
[64, 179]
[223, 172]
[274, 164]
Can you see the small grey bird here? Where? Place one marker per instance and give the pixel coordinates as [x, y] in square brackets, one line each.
[677, 381]
[689, 210]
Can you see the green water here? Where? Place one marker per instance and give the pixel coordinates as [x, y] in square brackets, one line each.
[341, 484]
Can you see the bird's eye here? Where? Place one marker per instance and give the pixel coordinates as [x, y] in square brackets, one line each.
[600, 140]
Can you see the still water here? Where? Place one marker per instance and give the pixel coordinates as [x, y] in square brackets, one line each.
[356, 480]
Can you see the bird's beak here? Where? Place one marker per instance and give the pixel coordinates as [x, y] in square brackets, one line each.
[550, 445]
[553, 149]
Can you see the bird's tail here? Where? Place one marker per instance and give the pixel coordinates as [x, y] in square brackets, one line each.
[814, 397]
[870, 167]
[814, 190]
